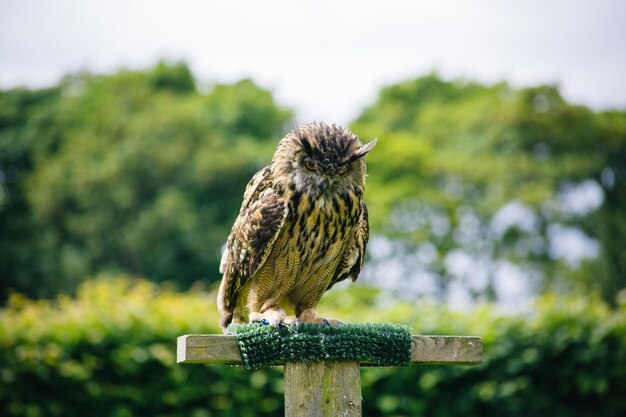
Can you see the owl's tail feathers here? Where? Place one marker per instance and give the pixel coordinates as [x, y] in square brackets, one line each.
[224, 303]
[227, 318]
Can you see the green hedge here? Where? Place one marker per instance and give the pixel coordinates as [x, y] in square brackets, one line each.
[111, 352]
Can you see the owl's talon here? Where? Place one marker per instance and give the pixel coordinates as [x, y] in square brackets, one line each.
[272, 318]
[275, 324]
[294, 325]
[309, 315]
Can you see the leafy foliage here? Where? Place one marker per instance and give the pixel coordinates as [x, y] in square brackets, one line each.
[110, 351]
[133, 172]
[138, 172]
[495, 175]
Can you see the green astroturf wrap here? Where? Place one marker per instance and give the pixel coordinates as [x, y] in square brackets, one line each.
[379, 343]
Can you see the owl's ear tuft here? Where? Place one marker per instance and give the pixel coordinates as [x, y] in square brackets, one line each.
[306, 145]
[363, 150]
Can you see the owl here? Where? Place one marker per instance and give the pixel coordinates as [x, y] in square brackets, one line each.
[301, 229]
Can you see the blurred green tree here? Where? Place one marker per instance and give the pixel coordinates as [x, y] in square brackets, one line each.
[473, 176]
[139, 172]
[135, 171]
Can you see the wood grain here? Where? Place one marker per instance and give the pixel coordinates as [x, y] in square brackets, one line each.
[452, 350]
[322, 389]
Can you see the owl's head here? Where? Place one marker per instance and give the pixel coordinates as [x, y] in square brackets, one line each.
[320, 158]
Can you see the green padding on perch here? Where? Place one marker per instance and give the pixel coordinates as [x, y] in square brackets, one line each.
[379, 343]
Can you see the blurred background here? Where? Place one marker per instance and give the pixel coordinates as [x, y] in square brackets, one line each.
[496, 193]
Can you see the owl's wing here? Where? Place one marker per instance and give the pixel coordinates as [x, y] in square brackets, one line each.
[261, 217]
[353, 257]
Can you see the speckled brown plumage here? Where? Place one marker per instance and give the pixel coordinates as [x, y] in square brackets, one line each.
[301, 229]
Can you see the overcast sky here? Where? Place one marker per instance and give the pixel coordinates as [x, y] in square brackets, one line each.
[326, 59]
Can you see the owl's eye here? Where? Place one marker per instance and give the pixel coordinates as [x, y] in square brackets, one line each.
[309, 164]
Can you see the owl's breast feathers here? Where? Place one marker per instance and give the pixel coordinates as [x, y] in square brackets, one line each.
[315, 226]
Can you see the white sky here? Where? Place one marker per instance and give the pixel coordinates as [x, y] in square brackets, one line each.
[326, 59]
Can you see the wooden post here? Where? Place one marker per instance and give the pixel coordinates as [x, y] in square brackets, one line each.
[329, 388]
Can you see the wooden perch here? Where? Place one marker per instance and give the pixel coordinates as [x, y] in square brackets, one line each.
[329, 388]
[442, 350]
